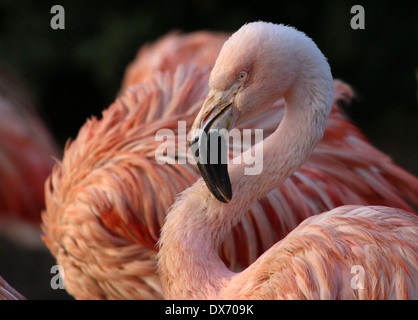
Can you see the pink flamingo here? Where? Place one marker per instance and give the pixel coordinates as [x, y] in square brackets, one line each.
[110, 184]
[27, 150]
[259, 64]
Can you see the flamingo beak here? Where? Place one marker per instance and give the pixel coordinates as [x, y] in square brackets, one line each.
[209, 134]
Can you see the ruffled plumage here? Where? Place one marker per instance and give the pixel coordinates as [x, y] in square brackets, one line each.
[107, 199]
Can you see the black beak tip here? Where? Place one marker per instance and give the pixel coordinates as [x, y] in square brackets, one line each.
[218, 185]
[222, 196]
[227, 197]
[212, 160]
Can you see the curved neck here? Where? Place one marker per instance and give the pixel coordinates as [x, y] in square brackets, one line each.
[189, 264]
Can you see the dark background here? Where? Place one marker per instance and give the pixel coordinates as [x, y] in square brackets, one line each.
[76, 72]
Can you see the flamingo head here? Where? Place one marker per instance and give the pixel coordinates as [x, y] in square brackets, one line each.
[257, 65]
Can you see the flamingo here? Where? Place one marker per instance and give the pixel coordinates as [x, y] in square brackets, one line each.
[259, 64]
[7, 292]
[27, 150]
[107, 199]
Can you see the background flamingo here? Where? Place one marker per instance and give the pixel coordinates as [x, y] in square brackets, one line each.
[109, 180]
[258, 64]
[27, 150]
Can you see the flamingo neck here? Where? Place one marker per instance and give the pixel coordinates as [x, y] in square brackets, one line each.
[189, 264]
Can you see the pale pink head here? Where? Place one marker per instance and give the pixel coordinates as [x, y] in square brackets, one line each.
[259, 64]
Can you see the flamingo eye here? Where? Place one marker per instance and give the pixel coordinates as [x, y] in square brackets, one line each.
[242, 75]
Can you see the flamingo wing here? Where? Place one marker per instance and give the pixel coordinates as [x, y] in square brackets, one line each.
[351, 252]
[200, 49]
